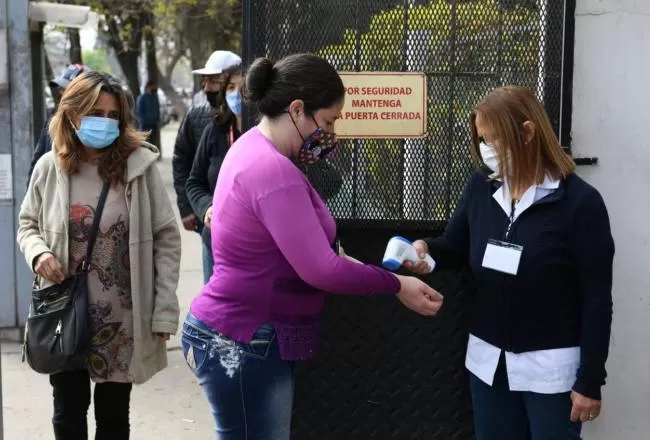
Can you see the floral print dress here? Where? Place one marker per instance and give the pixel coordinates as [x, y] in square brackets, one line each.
[109, 281]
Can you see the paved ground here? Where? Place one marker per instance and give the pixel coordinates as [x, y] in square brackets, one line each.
[169, 406]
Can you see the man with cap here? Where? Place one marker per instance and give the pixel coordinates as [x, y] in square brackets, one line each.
[323, 174]
[189, 134]
[57, 86]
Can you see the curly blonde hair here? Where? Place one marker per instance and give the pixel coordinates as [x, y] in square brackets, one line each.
[78, 100]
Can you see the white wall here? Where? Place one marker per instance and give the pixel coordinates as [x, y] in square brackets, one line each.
[611, 120]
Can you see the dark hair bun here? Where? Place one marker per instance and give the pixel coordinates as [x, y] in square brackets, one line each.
[259, 79]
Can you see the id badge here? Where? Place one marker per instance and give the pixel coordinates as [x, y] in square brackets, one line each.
[502, 256]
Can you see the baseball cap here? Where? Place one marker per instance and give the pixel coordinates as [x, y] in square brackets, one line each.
[70, 73]
[218, 61]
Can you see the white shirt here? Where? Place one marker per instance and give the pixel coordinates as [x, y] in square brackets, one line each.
[544, 371]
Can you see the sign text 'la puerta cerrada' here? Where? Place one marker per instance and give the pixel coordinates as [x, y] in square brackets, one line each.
[383, 105]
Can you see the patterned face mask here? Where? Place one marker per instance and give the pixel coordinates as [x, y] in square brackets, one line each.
[318, 144]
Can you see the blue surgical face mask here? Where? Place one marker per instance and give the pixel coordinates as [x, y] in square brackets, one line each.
[234, 102]
[96, 132]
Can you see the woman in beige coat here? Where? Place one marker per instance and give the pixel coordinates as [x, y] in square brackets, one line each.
[133, 307]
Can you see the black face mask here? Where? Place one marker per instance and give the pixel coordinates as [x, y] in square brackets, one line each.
[212, 98]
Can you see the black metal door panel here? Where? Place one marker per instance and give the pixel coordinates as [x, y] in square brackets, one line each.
[384, 372]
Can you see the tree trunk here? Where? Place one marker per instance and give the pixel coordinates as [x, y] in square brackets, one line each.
[196, 62]
[49, 75]
[75, 46]
[128, 54]
[150, 48]
[174, 97]
[129, 64]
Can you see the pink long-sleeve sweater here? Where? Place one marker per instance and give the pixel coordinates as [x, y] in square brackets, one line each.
[274, 261]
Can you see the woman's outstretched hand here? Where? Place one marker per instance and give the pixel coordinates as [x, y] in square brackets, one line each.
[418, 296]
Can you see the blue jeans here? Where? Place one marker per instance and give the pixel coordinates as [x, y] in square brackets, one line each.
[248, 386]
[501, 414]
[207, 262]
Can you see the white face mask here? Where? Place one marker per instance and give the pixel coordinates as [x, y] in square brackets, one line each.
[489, 156]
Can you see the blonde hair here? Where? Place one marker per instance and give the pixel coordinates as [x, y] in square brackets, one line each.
[78, 100]
[521, 163]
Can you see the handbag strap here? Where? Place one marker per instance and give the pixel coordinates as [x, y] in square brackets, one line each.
[92, 237]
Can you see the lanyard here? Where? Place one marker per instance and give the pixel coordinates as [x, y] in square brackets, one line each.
[511, 218]
[232, 136]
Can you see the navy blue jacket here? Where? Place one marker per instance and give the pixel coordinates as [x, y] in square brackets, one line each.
[562, 293]
[213, 146]
[212, 149]
[147, 110]
[198, 127]
[187, 142]
[43, 145]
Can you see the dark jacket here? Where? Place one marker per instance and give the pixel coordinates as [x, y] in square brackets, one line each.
[562, 294]
[200, 185]
[209, 156]
[323, 174]
[147, 110]
[187, 142]
[43, 145]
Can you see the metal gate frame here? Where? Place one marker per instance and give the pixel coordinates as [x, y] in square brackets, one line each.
[383, 372]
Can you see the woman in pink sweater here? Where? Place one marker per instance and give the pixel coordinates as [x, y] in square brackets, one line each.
[275, 255]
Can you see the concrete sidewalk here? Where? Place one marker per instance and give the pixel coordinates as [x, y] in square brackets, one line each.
[171, 405]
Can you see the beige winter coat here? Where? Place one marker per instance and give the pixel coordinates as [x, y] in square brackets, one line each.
[154, 247]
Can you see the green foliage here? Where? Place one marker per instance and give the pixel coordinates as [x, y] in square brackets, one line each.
[465, 52]
[97, 60]
[215, 22]
[178, 28]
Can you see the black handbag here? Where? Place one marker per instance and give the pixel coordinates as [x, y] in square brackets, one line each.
[57, 335]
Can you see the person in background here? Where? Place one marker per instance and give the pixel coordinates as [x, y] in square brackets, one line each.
[217, 138]
[133, 307]
[538, 241]
[215, 142]
[57, 85]
[323, 174]
[277, 255]
[192, 127]
[147, 112]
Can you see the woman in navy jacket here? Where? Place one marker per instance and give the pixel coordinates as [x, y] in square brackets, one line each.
[217, 138]
[537, 239]
[215, 142]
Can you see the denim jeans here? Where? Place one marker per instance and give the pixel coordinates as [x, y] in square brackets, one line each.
[71, 392]
[207, 262]
[501, 414]
[249, 388]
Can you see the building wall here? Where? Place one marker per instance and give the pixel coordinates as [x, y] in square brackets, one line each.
[611, 121]
[16, 146]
